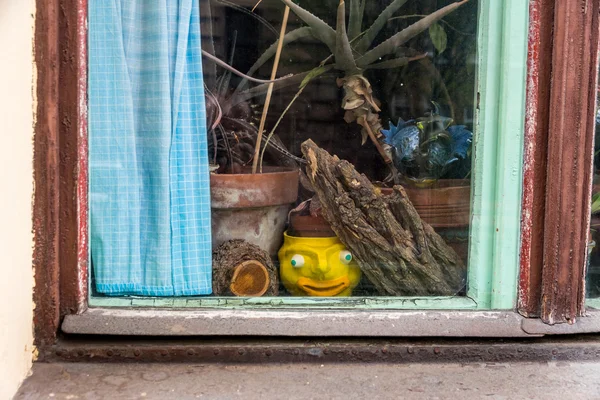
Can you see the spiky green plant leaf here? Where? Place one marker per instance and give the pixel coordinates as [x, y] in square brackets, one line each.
[223, 82]
[400, 38]
[438, 36]
[312, 74]
[595, 203]
[357, 10]
[282, 83]
[210, 76]
[321, 29]
[367, 40]
[395, 62]
[289, 37]
[343, 52]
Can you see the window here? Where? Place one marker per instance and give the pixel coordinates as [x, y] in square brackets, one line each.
[174, 133]
[593, 272]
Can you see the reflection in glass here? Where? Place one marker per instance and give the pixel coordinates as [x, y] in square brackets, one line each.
[373, 108]
[593, 274]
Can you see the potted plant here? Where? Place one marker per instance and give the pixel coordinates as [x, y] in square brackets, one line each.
[445, 203]
[424, 151]
[352, 53]
[445, 148]
[307, 220]
[248, 206]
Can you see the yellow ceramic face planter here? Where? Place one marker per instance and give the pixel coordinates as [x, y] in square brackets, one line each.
[317, 267]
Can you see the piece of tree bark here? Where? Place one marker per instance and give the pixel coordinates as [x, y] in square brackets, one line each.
[400, 254]
[243, 269]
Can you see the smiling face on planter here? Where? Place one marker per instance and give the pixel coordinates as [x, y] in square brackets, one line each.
[317, 267]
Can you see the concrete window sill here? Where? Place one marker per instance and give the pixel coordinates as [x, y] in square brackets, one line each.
[318, 323]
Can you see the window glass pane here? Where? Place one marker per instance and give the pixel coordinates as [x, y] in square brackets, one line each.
[593, 274]
[336, 165]
[410, 104]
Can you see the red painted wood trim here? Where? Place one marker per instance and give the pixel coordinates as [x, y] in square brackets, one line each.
[60, 165]
[46, 201]
[539, 73]
[82, 187]
[73, 159]
[570, 160]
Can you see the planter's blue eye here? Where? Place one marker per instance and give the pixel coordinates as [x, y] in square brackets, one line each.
[297, 261]
[345, 256]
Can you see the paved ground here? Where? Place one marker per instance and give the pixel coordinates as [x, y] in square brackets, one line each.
[554, 380]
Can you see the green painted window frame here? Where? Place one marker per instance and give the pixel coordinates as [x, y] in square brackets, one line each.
[593, 302]
[503, 28]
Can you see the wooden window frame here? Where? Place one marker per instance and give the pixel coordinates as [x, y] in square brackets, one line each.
[562, 82]
[550, 285]
[60, 165]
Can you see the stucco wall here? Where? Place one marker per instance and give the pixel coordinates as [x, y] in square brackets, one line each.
[16, 188]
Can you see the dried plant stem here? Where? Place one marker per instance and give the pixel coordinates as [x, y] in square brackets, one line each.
[363, 122]
[256, 5]
[239, 73]
[262, 154]
[263, 118]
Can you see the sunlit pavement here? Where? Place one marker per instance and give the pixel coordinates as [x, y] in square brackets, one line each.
[523, 380]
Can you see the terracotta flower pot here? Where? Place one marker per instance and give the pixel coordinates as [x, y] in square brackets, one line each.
[252, 207]
[309, 226]
[446, 204]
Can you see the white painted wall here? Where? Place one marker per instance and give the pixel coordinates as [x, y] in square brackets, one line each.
[16, 189]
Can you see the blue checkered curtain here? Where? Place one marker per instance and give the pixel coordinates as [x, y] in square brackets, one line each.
[149, 182]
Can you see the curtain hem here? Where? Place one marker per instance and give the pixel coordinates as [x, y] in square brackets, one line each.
[136, 289]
